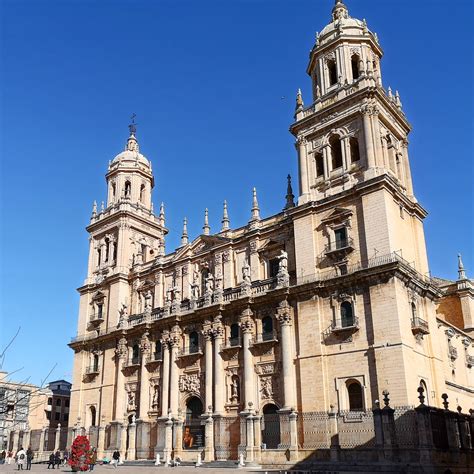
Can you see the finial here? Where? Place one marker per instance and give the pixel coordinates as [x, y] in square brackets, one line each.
[102, 206]
[299, 101]
[398, 102]
[390, 95]
[364, 24]
[316, 38]
[255, 208]
[225, 219]
[206, 228]
[161, 217]
[289, 194]
[386, 399]
[184, 235]
[421, 395]
[461, 271]
[444, 396]
[132, 144]
[94, 209]
[152, 208]
[339, 11]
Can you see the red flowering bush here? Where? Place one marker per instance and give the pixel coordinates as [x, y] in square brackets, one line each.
[79, 458]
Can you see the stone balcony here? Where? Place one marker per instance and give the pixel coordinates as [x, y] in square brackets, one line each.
[154, 358]
[270, 337]
[419, 326]
[92, 370]
[345, 326]
[132, 362]
[189, 351]
[338, 250]
[231, 343]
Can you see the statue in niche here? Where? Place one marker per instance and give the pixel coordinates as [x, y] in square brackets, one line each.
[148, 298]
[209, 283]
[246, 274]
[283, 262]
[266, 387]
[156, 397]
[235, 389]
[195, 285]
[131, 400]
[123, 316]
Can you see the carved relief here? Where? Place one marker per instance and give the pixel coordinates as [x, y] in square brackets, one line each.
[189, 383]
[268, 387]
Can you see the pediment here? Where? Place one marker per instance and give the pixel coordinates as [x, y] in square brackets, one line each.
[339, 213]
[201, 244]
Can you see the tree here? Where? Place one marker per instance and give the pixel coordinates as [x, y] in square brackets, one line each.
[80, 454]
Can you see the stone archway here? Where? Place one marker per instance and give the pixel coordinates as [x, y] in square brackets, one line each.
[193, 431]
[271, 426]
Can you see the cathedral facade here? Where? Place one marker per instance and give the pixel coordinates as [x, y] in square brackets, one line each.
[228, 345]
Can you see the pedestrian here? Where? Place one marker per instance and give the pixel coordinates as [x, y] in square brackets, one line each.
[115, 458]
[65, 457]
[29, 457]
[51, 461]
[21, 458]
[9, 457]
[3, 455]
[57, 458]
[92, 459]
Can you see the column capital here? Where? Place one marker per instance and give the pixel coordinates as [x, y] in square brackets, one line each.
[122, 349]
[145, 343]
[284, 313]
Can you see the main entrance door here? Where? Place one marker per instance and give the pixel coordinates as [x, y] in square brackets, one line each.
[193, 431]
[271, 426]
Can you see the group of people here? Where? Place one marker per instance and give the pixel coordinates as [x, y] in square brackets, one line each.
[55, 459]
[22, 458]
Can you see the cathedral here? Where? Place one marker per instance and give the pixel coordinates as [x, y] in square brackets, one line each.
[258, 343]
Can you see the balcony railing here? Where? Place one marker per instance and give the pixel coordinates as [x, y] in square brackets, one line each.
[343, 325]
[92, 370]
[194, 349]
[96, 319]
[266, 337]
[132, 362]
[232, 342]
[155, 357]
[339, 248]
[419, 326]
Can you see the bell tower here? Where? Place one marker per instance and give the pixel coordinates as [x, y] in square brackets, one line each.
[354, 130]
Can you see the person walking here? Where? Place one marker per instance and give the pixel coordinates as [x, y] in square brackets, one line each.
[92, 459]
[65, 457]
[29, 457]
[51, 461]
[116, 458]
[57, 458]
[3, 455]
[21, 458]
[9, 457]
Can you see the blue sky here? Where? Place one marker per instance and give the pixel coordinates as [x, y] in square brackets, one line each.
[213, 86]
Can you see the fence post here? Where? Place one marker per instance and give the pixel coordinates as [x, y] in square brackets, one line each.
[388, 426]
[451, 429]
[425, 434]
[41, 444]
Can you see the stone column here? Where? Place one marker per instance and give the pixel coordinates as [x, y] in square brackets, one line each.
[168, 440]
[207, 333]
[120, 355]
[144, 403]
[175, 340]
[293, 416]
[257, 432]
[209, 436]
[178, 426]
[286, 346]
[219, 384]
[101, 442]
[57, 437]
[165, 380]
[16, 438]
[247, 328]
[132, 437]
[41, 443]
[26, 438]
[123, 441]
[303, 166]
[250, 438]
[377, 139]
[326, 161]
[346, 153]
[368, 138]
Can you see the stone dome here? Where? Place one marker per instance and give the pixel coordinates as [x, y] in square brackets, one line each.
[131, 156]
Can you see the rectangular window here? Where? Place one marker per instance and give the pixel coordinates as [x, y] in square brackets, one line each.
[50, 401]
[57, 416]
[66, 402]
[58, 402]
[319, 165]
[65, 417]
[273, 266]
[340, 236]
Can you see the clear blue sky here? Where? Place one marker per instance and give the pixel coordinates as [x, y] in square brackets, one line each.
[206, 80]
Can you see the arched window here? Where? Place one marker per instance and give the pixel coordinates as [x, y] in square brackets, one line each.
[99, 256]
[113, 191]
[354, 393]
[100, 308]
[332, 71]
[271, 426]
[93, 415]
[128, 188]
[135, 354]
[336, 152]
[319, 160]
[354, 146]
[204, 275]
[267, 328]
[355, 66]
[234, 335]
[347, 316]
[142, 193]
[114, 252]
[107, 249]
[193, 342]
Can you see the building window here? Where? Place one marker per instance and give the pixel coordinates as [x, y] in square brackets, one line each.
[142, 193]
[57, 416]
[135, 354]
[267, 328]
[107, 249]
[66, 417]
[413, 311]
[354, 393]
[66, 403]
[113, 191]
[273, 267]
[58, 402]
[336, 152]
[95, 362]
[234, 335]
[128, 188]
[114, 251]
[354, 147]
[48, 415]
[193, 342]
[99, 310]
[319, 160]
[99, 255]
[332, 70]
[340, 237]
[93, 415]
[50, 401]
[158, 350]
[355, 66]
[347, 314]
[204, 275]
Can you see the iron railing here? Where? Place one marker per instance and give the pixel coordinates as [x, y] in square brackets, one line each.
[419, 325]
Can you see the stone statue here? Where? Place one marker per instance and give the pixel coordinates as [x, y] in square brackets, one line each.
[266, 388]
[209, 283]
[148, 298]
[235, 389]
[283, 262]
[246, 273]
[131, 400]
[123, 316]
[155, 398]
